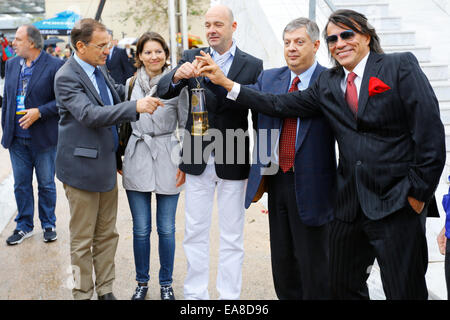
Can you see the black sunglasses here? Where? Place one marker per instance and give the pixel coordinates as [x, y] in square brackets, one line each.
[344, 35]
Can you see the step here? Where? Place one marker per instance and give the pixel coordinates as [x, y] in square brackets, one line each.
[422, 53]
[353, 1]
[441, 89]
[386, 23]
[435, 71]
[397, 38]
[368, 8]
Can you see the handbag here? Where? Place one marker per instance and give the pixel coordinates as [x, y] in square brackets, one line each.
[125, 129]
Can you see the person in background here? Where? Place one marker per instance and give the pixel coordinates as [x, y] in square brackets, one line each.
[30, 130]
[67, 54]
[443, 240]
[148, 166]
[118, 64]
[3, 43]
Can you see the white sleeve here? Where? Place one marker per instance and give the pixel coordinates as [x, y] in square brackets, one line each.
[234, 93]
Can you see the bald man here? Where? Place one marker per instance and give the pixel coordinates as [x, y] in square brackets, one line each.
[207, 168]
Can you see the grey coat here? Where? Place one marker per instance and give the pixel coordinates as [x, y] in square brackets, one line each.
[151, 158]
[85, 156]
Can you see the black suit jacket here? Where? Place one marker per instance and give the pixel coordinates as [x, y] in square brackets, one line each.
[119, 66]
[394, 149]
[244, 69]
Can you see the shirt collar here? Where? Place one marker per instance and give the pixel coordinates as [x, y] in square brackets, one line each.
[22, 61]
[88, 68]
[232, 50]
[305, 77]
[359, 69]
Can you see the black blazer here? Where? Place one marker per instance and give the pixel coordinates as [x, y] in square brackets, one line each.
[119, 66]
[394, 149]
[244, 69]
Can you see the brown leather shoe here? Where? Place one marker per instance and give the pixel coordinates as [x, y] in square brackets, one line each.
[108, 296]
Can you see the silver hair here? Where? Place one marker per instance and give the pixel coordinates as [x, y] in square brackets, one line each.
[311, 28]
[35, 36]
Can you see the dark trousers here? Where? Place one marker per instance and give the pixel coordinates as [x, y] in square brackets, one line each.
[398, 243]
[299, 252]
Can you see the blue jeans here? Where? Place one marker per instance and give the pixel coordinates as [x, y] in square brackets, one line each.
[24, 159]
[166, 207]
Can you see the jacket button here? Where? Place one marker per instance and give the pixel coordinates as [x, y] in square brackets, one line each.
[358, 163]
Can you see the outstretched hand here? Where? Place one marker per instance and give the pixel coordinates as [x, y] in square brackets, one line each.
[206, 67]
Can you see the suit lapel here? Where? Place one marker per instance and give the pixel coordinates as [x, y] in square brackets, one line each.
[372, 67]
[281, 86]
[84, 77]
[14, 83]
[37, 71]
[237, 65]
[306, 123]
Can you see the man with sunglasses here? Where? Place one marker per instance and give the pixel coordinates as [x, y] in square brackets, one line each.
[90, 105]
[385, 117]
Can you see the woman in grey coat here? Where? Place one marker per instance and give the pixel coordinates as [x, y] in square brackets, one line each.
[150, 165]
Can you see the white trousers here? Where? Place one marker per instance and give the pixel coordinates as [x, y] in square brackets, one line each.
[199, 192]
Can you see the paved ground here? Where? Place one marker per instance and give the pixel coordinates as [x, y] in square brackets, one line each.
[37, 270]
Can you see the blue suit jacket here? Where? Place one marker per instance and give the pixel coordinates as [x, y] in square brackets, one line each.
[40, 94]
[315, 159]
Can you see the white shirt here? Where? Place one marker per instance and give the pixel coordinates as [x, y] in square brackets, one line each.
[89, 69]
[224, 60]
[359, 71]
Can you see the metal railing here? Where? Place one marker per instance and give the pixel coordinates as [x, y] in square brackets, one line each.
[312, 8]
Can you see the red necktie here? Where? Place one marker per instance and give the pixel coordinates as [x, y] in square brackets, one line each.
[351, 95]
[288, 135]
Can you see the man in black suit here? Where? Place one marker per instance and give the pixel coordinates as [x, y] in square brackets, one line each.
[118, 64]
[209, 165]
[385, 117]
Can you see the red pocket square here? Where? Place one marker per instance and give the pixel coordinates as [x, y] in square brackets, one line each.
[377, 86]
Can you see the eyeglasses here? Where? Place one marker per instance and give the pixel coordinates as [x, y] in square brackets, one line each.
[344, 35]
[102, 48]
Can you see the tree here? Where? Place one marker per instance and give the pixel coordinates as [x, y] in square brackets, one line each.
[154, 13]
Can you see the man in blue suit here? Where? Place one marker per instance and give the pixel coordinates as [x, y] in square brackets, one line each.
[296, 164]
[118, 64]
[30, 130]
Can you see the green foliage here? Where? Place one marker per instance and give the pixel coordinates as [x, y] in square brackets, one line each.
[154, 12]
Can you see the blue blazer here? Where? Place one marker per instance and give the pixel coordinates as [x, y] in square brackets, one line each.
[40, 94]
[315, 158]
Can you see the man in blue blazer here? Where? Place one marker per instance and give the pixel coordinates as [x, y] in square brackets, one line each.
[30, 130]
[118, 64]
[299, 171]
